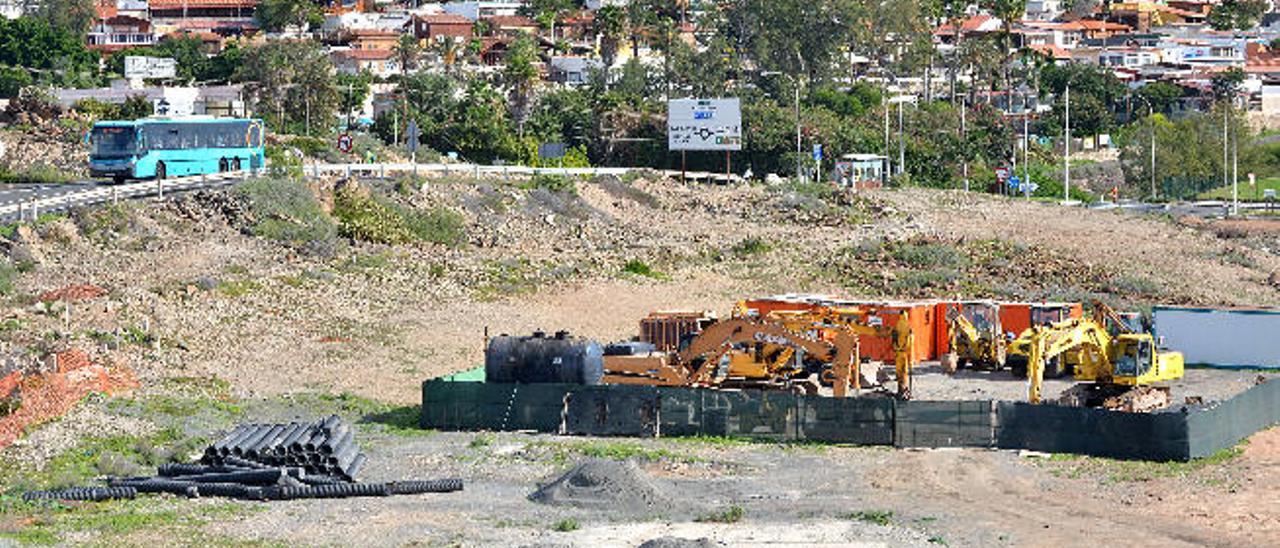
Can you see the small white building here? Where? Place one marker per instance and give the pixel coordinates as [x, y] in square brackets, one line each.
[379, 62]
[477, 9]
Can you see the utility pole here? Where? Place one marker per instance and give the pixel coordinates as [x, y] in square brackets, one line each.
[1224, 143]
[1026, 136]
[902, 144]
[964, 141]
[796, 81]
[1151, 120]
[1066, 157]
[1235, 174]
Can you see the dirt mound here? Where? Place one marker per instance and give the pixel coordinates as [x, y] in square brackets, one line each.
[608, 485]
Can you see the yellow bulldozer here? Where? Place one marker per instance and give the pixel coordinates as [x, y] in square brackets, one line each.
[1117, 371]
[784, 350]
[975, 339]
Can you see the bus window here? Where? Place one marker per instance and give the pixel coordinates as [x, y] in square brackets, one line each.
[112, 141]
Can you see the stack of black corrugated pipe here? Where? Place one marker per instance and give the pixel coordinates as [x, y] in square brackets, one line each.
[325, 447]
[265, 462]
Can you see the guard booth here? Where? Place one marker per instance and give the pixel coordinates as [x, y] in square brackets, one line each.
[861, 171]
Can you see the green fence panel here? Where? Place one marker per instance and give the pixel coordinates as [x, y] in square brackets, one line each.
[539, 407]
[1223, 425]
[1060, 429]
[944, 424]
[613, 411]
[863, 421]
[680, 412]
[755, 413]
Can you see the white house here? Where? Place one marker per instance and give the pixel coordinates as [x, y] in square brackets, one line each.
[476, 9]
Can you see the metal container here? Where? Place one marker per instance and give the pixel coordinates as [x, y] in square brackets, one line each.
[542, 359]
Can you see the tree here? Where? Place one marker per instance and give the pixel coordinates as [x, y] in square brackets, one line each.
[12, 80]
[353, 89]
[407, 51]
[610, 25]
[134, 107]
[277, 15]
[292, 83]
[520, 75]
[1160, 95]
[1226, 84]
[799, 37]
[450, 49]
[73, 16]
[1237, 14]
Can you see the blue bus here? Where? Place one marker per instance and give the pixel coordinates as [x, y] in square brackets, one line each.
[156, 148]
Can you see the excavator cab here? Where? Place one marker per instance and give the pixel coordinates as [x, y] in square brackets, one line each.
[1137, 361]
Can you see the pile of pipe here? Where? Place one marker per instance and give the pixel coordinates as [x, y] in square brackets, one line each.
[325, 447]
[264, 462]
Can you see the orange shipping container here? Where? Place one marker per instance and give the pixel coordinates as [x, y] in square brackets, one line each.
[1018, 317]
[922, 318]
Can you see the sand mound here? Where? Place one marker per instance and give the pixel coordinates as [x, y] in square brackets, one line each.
[607, 485]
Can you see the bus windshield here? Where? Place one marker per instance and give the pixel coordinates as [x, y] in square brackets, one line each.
[112, 141]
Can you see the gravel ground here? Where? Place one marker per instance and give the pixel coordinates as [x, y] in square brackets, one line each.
[929, 383]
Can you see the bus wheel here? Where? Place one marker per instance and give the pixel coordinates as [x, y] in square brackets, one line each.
[117, 179]
[235, 164]
[222, 165]
[161, 172]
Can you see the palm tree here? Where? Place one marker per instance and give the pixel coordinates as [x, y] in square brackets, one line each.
[408, 50]
[449, 48]
[610, 24]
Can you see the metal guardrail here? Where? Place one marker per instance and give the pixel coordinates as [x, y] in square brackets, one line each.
[31, 208]
[476, 170]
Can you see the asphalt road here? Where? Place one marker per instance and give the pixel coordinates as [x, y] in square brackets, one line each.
[15, 193]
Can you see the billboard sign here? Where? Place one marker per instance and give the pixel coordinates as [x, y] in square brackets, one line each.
[704, 124]
[136, 66]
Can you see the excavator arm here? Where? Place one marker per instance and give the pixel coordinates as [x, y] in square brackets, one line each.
[719, 337]
[1047, 342]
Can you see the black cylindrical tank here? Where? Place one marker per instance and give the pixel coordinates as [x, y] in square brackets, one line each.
[542, 359]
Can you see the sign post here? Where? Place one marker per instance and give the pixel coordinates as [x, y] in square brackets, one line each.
[704, 124]
[345, 143]
[817, 159]
[411, 134]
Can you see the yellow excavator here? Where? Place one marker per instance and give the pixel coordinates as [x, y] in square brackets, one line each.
[785, 350]
[975, 338]
[1117, 372]
[827, 321]
[1115, 323]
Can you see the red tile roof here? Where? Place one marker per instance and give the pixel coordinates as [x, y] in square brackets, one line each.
[511, 21]
[366, 54]
[444, 19]
[1052, 51]
[179, 4]
[968, 25]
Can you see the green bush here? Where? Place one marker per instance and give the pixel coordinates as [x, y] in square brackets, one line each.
[732, 514]
[38, 174]
[752, 246]
[373, 219]
[436, 225]
[7, 274]
[285, 210]
[566, 525]
[927, 254]
[640, 268]
[361, 217]
[553, 183]
[282, 162]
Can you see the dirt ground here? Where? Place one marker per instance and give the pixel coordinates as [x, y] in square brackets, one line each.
[960, 497]
[194, 297]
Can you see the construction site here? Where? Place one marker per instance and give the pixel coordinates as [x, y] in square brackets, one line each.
[640, 361]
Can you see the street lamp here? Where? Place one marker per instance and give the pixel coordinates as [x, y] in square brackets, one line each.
[795, 84]
[1151, 111]
[1066, 156]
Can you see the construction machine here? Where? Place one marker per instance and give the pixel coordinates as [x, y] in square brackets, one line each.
[786, 351]
[974, 336]
[1116, 372]
[825, 321]
[1114, 322]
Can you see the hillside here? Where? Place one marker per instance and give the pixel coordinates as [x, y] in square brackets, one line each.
[192, 291]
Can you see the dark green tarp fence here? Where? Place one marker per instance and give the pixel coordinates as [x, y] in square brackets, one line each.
[613, 410]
